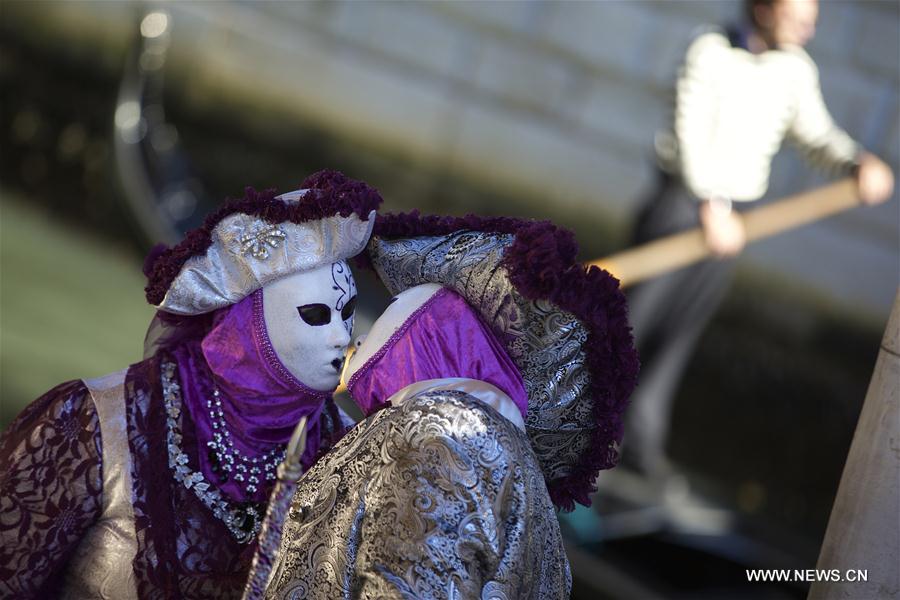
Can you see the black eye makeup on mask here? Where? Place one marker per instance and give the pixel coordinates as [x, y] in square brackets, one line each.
[320, 314]
[315, 314]
[348, 309]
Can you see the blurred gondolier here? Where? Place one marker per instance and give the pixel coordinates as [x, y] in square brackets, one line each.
[740, 92]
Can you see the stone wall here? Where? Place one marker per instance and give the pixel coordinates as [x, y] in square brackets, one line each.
[545, 102]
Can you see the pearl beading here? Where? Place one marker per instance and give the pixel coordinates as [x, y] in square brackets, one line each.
[244, 520]
[230, 459]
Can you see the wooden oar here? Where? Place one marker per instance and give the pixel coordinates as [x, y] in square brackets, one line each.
[682, 249]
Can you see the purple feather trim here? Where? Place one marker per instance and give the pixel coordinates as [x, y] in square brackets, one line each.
[541, 263]
[336, 194]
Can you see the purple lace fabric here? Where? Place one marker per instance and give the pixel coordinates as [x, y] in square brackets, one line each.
[442, 338]
[50, 489]
[183, 550]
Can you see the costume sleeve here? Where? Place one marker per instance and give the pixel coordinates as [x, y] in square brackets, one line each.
[696, 113]
[812, 131]
[435, 537]
[459, 512]
[439, 497]
[50, 489]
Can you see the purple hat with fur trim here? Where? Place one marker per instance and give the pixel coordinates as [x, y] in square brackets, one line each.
[564, 326]
[262, 237]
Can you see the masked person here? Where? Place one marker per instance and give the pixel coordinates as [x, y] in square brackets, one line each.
[495, 384]
[152, 482]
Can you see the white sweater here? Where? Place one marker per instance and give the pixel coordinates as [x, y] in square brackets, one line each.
[734, 108]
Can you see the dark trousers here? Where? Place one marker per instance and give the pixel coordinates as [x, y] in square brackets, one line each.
[668, 315]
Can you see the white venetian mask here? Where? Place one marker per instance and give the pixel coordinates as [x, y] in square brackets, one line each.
[309, 318]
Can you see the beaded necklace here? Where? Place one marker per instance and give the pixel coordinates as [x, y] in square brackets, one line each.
[243, 520]
[225, 458]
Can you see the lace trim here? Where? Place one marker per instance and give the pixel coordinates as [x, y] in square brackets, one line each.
[244, 520]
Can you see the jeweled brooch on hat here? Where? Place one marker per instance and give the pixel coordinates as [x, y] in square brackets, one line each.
[262, 237]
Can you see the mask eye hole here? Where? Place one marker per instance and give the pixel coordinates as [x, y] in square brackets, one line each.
[348, 309]
[315, 314]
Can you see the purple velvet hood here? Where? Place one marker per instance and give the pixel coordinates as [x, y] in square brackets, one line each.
[443, 338]
[260, 400]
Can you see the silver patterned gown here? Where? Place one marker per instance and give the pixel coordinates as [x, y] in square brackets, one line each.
[440, 497]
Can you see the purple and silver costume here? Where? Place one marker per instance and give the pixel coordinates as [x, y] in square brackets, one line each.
[499, 397]
[152, 482]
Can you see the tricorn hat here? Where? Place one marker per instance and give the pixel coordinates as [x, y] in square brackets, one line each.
[262, 237]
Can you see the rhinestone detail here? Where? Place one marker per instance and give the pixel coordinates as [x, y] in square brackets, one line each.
[256, 243]
[230, 461]
[243, 520]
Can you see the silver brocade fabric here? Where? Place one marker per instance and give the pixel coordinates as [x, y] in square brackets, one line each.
[248, 252]
[544, 342]
[440, 498]
[101, 567]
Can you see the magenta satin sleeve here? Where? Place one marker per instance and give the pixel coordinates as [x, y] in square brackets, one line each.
[50, 489]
